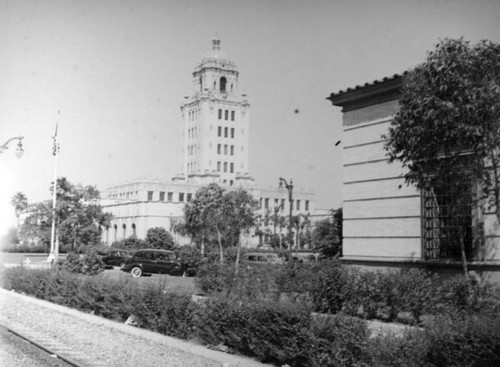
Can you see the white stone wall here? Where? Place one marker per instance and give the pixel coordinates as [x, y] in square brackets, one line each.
[382, 216]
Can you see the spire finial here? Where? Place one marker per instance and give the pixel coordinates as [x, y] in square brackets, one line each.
[216, 43]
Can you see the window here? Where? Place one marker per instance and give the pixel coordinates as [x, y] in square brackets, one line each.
[231, 168]
[232, 115]
[220, 114]
[225, 132]
[162, 195]
[218, 148]
[189, 197]
[150, 195]
[447, 220]
[282, 204]
[307, 205]
[266, 203]
[232, 149]
[225, 149]
[170, 196]
[225, 166]
[232, 132]
[260, 203]
[181, 196]
[226, 114]
[219, 131]
[218, 166]
[230, 182]
[223, 84]
[298, 204]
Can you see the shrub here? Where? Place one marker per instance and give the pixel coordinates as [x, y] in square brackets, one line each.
[407, 351]
[250, 283]
[468, 341]
[339, 341]
[270, 331]
[469, 296]
[88, 264]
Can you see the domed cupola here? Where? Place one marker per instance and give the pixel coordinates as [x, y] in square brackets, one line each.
[216, 72]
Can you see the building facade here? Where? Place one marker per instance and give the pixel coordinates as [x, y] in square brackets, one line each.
[215, 125]
[386, 222]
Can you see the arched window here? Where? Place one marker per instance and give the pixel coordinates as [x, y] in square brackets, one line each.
[124, 230]
[116, 232]
[222, 84]
[133, 230]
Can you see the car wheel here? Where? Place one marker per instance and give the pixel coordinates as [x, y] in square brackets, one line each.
[136, 272]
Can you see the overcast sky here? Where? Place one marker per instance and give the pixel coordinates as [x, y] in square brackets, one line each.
[118, 70]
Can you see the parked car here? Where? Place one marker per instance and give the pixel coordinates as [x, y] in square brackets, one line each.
[150, 261]
[116, 257]
[261, 258]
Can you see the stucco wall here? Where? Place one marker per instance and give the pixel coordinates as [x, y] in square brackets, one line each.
[382, 216]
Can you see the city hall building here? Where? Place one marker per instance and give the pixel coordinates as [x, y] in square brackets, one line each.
[215, 149]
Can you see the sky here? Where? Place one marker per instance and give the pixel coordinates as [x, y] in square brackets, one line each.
[114, 72]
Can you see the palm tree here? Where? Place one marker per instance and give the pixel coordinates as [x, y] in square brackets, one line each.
[20, 203]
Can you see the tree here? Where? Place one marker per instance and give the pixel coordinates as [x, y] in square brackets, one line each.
[220, 217]
[160, 238]
[327, 235]
[20, 203]
[447, 131]
[79, 216]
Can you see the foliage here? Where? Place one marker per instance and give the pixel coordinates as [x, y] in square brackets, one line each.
[9, 240]
[130, 243]
[78, 213]
[327, 235]
[88, 264]
[274, 330]
[159, 238]
[447, 131]
[339, 341]
[217, 216]
[450, 104]
[20, 203]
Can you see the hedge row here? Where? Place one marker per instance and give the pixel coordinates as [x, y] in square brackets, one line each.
[329, 287]
[273, 331]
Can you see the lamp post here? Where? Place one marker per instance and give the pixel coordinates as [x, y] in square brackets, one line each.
[19, 151]
[276, 210]
[289, 187]
[54, 238]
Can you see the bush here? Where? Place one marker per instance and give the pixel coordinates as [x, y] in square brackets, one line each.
[468, 296]
[88, 264]
[469, 341]
[339, 341]
[270, 331]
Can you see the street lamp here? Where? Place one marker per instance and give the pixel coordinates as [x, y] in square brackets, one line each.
[19, 151]
[289, 187]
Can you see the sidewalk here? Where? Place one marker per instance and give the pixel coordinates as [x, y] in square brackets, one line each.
[108, 341]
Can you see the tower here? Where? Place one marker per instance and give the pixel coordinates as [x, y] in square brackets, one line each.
[215, 124]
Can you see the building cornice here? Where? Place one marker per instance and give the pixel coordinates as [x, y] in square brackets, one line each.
[369, 94]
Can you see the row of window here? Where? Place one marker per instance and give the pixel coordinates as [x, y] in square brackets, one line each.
[226, 114]
[192, 115]
[226, 131]
[280, 203]
[222, 167]
[192, 132]
[231, 149]
[170, 196]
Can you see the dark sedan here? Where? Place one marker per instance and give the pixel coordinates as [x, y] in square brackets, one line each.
[154, 262]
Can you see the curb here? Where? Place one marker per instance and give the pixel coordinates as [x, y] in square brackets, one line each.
[226, 360]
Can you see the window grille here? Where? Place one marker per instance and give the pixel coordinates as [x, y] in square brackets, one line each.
[447, 216]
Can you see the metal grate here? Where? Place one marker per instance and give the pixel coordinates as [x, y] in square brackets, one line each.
[447, 216]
